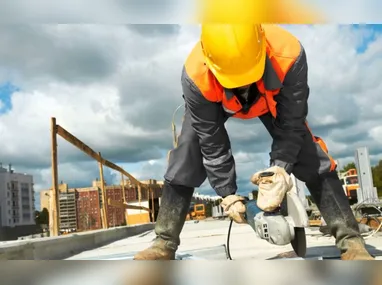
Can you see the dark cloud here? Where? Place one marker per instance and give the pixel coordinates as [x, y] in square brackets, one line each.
[154, 30]
[155, 103]
[374, 148]
[37, 161]
[159, 117]
[122, 149]
[40, 51]
[154, 170]
[350, 135]
[148, 11]
[326, 130]
[76, 175]
[114, 11]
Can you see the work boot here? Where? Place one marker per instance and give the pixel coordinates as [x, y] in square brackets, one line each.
[356, 250]
[328, 194]
[157, 251]
[175, 203]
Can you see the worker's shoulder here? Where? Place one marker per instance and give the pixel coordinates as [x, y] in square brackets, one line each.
[281, 42]
[195, 63]
[194, 68]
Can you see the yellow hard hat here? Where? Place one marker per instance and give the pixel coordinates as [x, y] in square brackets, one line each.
[235, 54]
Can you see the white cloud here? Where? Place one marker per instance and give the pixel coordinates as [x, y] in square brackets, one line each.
[116, 87]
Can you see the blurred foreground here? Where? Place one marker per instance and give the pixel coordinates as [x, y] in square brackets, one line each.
[192, 272]
[205, 239]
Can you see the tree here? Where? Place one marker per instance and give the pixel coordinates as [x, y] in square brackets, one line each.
[42, 218]
[377, 177]
[85, 220]
[92, 221]
[208, 209]
[348, 166]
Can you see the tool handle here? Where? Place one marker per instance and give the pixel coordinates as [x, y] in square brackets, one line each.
[267, 174]
[251, 211]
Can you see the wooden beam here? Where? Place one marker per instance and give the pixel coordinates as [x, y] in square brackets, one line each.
[55, 192]
[152, 204]
[124, 198]
[86, 149]
[120, 204]
[103, 193]
[102, 162]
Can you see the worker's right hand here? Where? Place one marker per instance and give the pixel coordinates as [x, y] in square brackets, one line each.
[273, 184]
[234, 207]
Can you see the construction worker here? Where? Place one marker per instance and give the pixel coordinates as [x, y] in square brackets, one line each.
[246, 72]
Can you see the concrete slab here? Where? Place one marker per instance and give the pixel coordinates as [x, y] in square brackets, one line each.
[207, 240]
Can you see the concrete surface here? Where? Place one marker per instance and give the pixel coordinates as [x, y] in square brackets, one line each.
[207, 240]
[56, 248]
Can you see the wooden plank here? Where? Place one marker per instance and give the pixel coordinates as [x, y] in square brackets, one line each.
[121, 204]
[315, 223]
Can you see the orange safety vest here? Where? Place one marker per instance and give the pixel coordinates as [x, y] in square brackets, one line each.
[282, 49]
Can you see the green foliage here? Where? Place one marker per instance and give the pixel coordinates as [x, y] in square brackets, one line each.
[377, 177]
[208, 209]
[42, 218]
[348, 166]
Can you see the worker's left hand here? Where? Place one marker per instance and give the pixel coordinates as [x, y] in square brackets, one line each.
[273, 184]
[235, 209]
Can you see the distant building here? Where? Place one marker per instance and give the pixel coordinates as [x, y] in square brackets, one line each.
[116, 216]
[88, 202]
[80, 208]
[67, 209]
[204, 199]
[16, 198]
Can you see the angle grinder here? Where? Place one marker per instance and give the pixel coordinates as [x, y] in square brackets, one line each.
[282, 226]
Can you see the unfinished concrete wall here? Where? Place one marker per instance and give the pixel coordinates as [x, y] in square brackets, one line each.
[57, 248]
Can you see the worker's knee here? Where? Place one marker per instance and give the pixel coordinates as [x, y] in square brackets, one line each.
[185, 165]
[186, 178]
[317, 180]
[313, 160]
[312, 173]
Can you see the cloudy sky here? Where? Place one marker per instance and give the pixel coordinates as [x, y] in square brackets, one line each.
[116, 88]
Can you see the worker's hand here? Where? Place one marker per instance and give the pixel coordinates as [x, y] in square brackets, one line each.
[235, 209]
[273, 184]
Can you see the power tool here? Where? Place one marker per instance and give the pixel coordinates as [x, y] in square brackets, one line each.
[285, 225]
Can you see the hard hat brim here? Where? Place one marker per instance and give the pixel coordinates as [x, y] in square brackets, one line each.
[231, 81]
